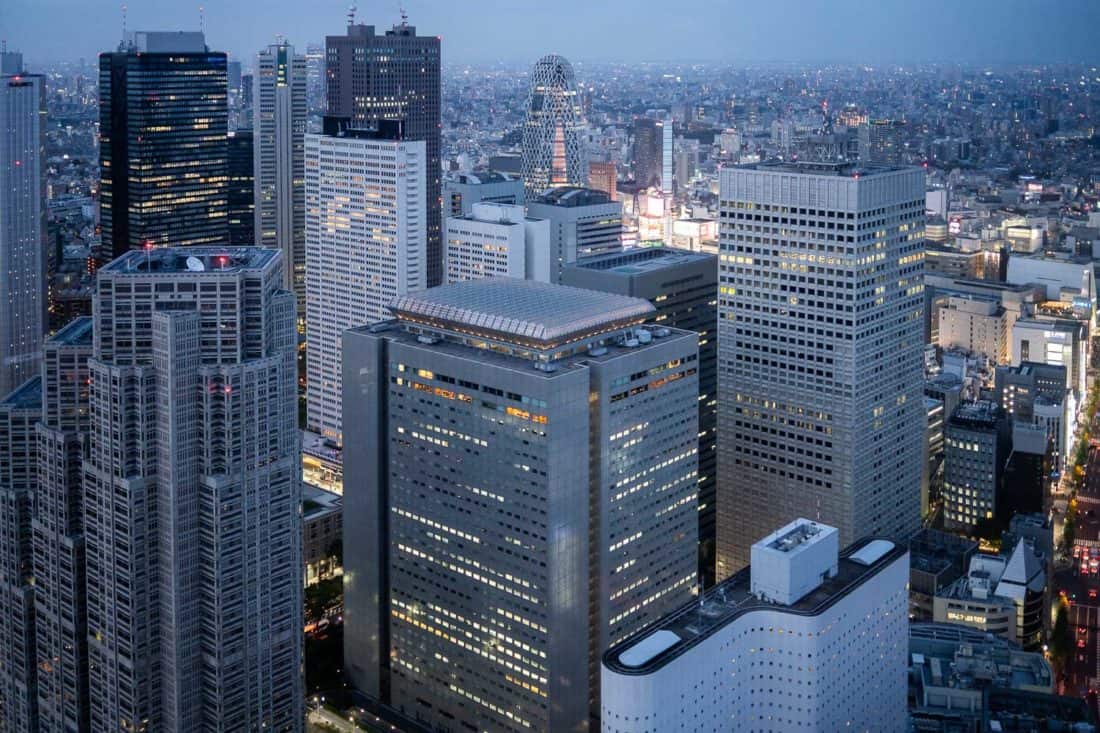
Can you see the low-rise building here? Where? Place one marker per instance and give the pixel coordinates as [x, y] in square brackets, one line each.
[965, 681]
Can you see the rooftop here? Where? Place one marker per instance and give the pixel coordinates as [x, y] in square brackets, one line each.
[27, 396]
[981, 414]
[170, 260]
[641, 260]
[521, 309]
[572, 196]
[477, 178]
[77, 332]
[839, 168]
[654, 647]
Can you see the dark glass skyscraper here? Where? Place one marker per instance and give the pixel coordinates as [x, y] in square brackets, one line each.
[393, 76]
[163, 122]
[242, 206]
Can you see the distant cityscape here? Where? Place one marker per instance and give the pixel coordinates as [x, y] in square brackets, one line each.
[343, 388]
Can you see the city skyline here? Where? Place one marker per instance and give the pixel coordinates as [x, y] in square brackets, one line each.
[978, 33]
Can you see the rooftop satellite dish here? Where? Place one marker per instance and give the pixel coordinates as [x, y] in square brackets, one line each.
[194, 264]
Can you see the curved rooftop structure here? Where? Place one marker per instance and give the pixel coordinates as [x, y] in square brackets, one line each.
[524, 311]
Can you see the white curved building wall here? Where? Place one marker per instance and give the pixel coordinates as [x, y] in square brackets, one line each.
[770, 670]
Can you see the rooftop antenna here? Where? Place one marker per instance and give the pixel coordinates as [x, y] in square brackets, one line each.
[351, 14]
[202, 19]
[404, 18]
[124, 22]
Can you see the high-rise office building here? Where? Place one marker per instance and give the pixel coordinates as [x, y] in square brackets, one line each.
[366, 241]
[522, 478]
[805, 639]
[279, 123]
[244, 119]
[60, 601]
[163, 119]
[820, 370]
[653, 153]
[683, 288]
[882, 141]
[241, 194]
[496, 240]
[583, 222]
[977, 440]
[394, 76]
[553, 133]
[192, 495]
[22, 226]
[19, 412]
[602, 176]
[462, 191]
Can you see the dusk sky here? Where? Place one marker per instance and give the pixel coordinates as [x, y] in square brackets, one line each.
[480, 31]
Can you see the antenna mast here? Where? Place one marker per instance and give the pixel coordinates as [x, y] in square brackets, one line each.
[404, 18]
[351, 14]
[123, 23]
[202, 19]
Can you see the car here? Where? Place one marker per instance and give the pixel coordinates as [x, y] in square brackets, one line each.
[1092, 593]
[1080, 643]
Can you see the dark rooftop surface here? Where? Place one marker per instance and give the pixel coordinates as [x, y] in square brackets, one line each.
[845, 169]
[169, 260]
[27, 396]
[642, 259]
[572, 196]
[77, 332]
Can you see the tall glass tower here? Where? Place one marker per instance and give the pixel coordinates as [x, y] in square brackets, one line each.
[280, 113]
[553, 152]
[163, 119]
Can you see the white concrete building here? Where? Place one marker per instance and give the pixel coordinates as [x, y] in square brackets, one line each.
[1064, 280]
[974, 325]
[1060, 342]
[496, 240]
[365, 245]
[583, 222]
[832, 658]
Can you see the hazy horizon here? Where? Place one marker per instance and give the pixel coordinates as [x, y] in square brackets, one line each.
[480, 32]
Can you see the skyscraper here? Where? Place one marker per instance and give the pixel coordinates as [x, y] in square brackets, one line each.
[553, 144]
[192, 496]
[820, 371]
[365, 244]
[22, 226]
[394, 76]
[683, 288]
[523, 483]
[649, 140]
[241, 194]
[19, 412]
[882, 141]
[279, 124]
[60, 600]
[162, 123]
[602, 177]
